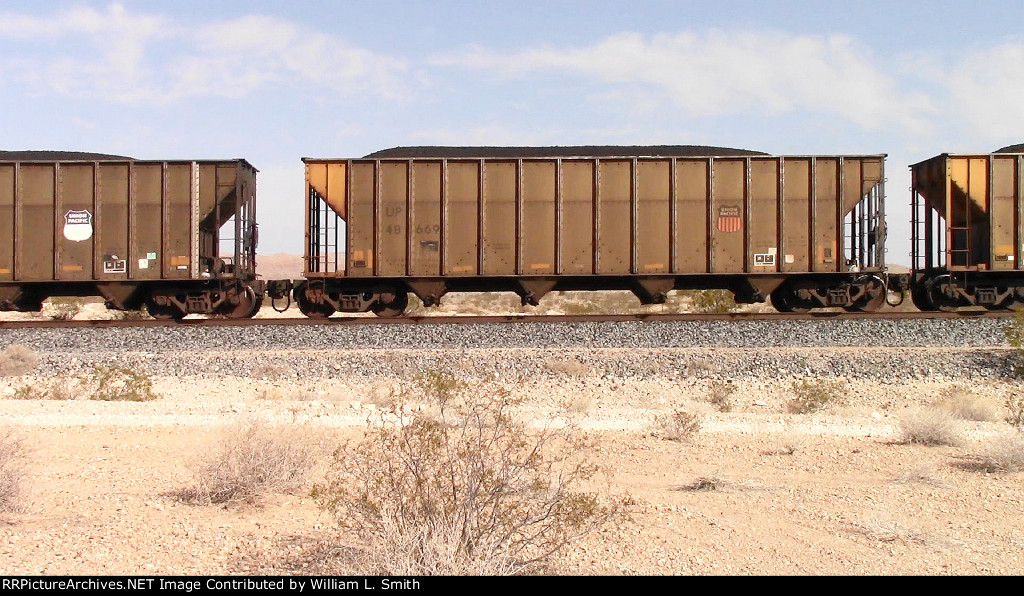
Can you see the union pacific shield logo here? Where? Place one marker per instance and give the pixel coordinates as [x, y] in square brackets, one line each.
[729, 219]
[78, 225]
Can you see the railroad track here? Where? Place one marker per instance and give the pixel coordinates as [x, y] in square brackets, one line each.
[493, 319]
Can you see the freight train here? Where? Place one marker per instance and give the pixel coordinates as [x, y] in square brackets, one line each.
[177, 237]
[803, 231]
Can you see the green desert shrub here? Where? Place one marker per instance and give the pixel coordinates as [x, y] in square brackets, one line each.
[813, 395]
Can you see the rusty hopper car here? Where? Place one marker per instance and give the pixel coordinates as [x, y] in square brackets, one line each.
[133, 232]
[967, 240]
[808, 231]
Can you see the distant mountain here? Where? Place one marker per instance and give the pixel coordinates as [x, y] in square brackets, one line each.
[279, 266]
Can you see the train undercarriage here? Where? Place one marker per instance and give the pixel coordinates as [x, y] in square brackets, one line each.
[320, 298]
[943, 290]
[168, 299]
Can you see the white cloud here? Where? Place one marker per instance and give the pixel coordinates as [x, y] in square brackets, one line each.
[723, 72]
[118, 42]
[80, 20]
[487, 136]
[124, 57]
[986, 92]
[496, 135]
[254, 50]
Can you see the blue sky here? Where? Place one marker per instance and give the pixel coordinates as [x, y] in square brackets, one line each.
[276, 81]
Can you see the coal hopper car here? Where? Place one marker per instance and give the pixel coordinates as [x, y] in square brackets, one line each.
[802, 231]
[967, 239]
[177, 237]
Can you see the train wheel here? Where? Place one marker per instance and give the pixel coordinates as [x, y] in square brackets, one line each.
[394, 308]
[938, 298]
[248, 304]
[1014, 303]
[1003, 305]
[787, 297]
[163, 312]
[799, 309]
[872, 300]
[29, 304]
[778, 299]
[313, 311]
[876, 302]
[919, 296]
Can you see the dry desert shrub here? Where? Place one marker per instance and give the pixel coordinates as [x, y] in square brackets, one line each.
[269, 371]
[440, 388]
[601, 302]
[461, 487]
[484, 303]
[931, 426]
[703, 484]
[580, 306]
[64, 308]
[251, 460]
[813, 395]
[60, 389]
[1003, 454]
[921, 475]
[569, 367]
[288, 393]
[581, 404]
[118, 383]
[712, 301]
[419, 551]
[1015, 410]
[886, 529]
[959, 402]
[716, 483]
[1014, 332]
[102, 383]
[384, 397]
[11, 470]
[611, 302]
[679, 426]
[16, 360]
[131, 315]
[720, 395]
[789, 443]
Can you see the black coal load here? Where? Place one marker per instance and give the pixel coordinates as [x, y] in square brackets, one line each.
[568, 151]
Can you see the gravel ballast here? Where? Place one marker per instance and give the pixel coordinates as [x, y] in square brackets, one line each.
[964, 348]
[631, 334]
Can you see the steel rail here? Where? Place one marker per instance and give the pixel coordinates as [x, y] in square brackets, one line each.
[495, 319]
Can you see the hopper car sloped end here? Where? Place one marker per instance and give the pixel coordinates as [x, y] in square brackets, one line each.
[805, 231]
[134, 232]
[966, 236]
